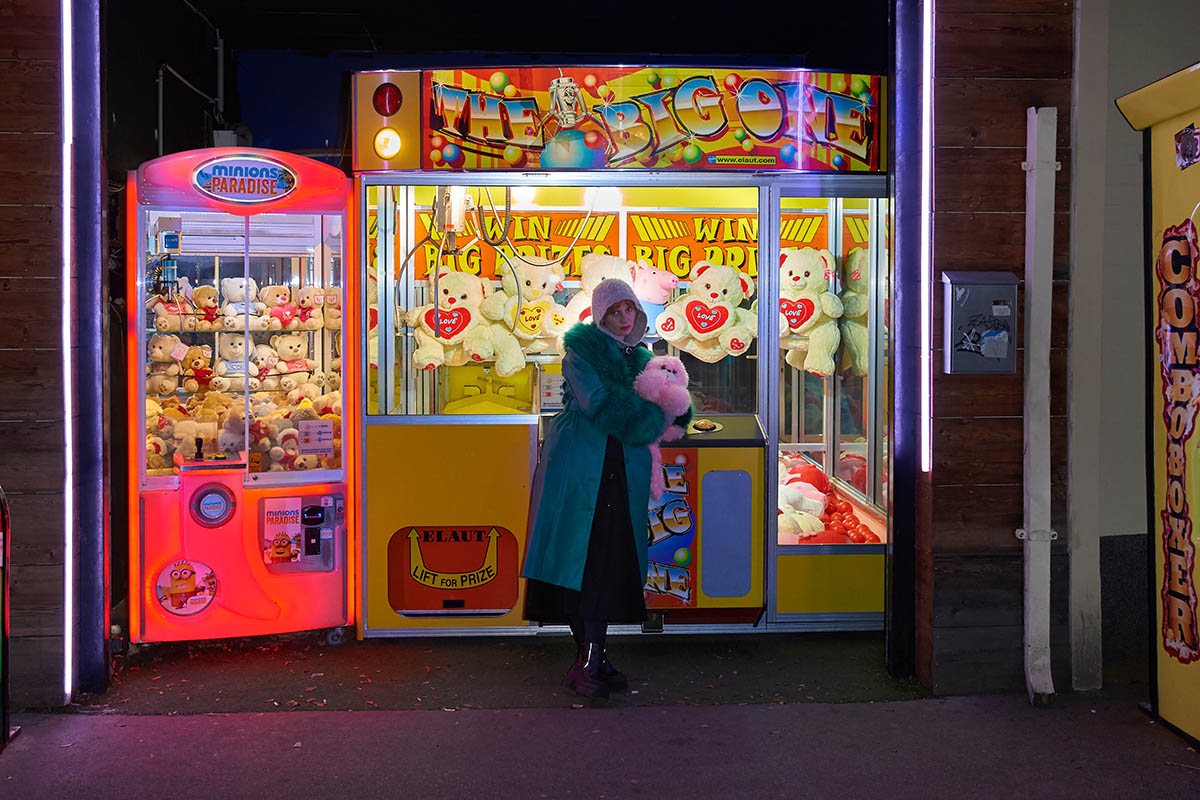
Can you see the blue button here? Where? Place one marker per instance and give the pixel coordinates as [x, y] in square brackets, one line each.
[214, 506]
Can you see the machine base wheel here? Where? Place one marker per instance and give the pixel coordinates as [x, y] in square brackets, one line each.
[335, 636]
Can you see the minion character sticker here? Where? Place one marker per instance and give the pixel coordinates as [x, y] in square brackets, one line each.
[185, 587]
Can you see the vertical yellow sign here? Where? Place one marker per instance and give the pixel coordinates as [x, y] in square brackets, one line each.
[1169, 110]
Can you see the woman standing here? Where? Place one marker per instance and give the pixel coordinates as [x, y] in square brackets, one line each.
[586, 556]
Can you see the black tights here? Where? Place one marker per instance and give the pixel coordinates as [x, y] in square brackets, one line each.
[588, 630]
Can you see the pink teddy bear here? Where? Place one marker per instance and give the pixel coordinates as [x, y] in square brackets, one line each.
[664, 382]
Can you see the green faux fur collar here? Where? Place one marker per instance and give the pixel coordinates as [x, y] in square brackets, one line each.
[617, 365]
[618, 411]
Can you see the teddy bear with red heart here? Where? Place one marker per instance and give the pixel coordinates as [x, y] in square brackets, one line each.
[808, 310]
[454, 331]
[707, 320]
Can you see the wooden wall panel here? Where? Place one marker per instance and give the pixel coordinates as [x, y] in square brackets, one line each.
[29, 100]
[996, 395]
[990, 179]
[32, 459]
[1005, 6]
[37, 526]
[38, 591]
[980, 112]
[924, 625]
[990, 450]
[957, 235]
[36, 672]
[30, 241]
[993, 60]
[35, 319]
[986, 591]
[31, 170]
[29, 30]
[32, 382]
[1000, 45]
[971, 655]
[983, 519]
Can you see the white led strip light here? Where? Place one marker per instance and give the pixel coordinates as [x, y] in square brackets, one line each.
[68, 139]
[926, 235]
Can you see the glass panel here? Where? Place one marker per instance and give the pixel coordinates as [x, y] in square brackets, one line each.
[513, 268]
[829, 272]
[804, 232]
[372, 306]
[230, 356]
[186, 256]
[295, 381]
[881, 380]
[854, 369]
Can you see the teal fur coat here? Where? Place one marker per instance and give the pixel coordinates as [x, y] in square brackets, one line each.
[599, 402]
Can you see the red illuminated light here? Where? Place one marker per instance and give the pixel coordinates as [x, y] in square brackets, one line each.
[387, 99]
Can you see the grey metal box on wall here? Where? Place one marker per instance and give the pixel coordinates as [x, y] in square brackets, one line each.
[980, 322]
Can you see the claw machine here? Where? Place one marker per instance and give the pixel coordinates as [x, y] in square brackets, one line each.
[1169, 114]
[492, 202]
[240, 523]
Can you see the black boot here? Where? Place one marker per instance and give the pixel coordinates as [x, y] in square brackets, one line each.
[584, 676]
[614, 678]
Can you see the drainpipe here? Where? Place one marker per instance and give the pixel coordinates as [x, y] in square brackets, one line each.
[163, 69]
[1039, 166]
[218, 101]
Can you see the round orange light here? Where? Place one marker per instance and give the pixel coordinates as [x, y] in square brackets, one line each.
[387, 143]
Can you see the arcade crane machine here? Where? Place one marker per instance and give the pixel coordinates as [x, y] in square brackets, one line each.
[239, 523]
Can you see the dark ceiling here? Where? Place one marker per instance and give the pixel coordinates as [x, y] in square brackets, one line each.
[287, 62]
[847, 36]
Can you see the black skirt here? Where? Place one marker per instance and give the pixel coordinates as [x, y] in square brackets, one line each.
[612, 587]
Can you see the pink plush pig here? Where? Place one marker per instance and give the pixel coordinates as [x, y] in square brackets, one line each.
[651, 284]
[664, 382]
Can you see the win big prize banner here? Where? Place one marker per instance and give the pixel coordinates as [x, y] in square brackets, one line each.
[649, 118]
[676, 241]
[546, 234]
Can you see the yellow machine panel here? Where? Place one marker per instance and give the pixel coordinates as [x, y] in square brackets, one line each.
[734, 461]
[445, 518]
[387, 120]
[1168, 110]
[830, 584]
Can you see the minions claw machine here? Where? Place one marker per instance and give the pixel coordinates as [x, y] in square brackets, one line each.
[239, 523]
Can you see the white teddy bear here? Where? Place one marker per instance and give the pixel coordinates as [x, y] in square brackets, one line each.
[706, 321]
[525, 303]
[241, 300]
[808, 311]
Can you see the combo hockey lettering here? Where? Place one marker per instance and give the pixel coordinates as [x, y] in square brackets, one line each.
[1176, 334]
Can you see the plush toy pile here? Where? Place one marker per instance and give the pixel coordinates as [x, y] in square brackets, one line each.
[209, 382]
[811, 510]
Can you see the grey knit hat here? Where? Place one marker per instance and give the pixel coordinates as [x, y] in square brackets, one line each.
[607, 294]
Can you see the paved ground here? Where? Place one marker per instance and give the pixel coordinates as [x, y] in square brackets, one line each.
[774, 716]
[297, 672]
[987, 747]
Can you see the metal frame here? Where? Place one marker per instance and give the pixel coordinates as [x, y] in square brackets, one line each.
[249, 479]
[772, 187]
